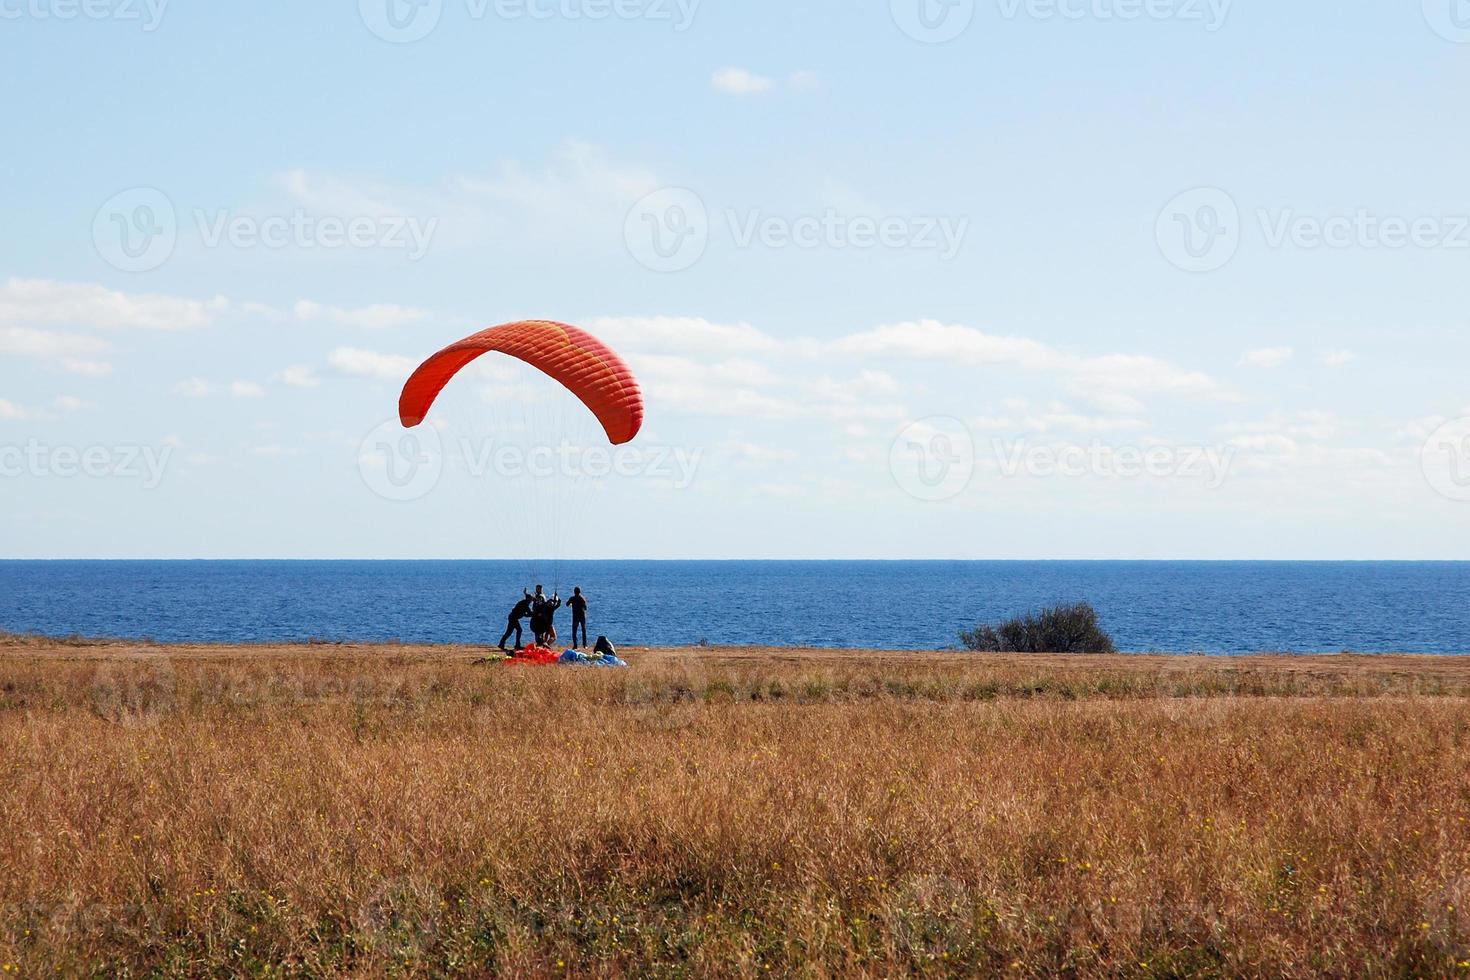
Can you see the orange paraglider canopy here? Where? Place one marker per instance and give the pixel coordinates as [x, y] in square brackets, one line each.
[584, 365]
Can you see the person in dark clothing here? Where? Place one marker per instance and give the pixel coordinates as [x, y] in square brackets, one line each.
[513, 621]
[543, 616]
[578, 604]
[536, 601]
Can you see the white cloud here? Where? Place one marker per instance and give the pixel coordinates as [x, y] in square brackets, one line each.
[342, 196]
[33, 301]
[11, 412]
[246, 389]
[1417, 431]
[299, 376]
[751, 452]
[740, 389]
[1338, 358]
[192, 388]
[1273, 443]
[933, 341]
[685, 385]
[69, 351]
[577, 190]
[579, 185]
[370, 364]
[1266, 357]
[260, 309]
[497, 370]
[739, 81]
[70, 403]
[378, 317]
[785, 491]
[682, 335]
[870, 383]
[1136, 372]
[1058, 420]
[29, 342]
[805, 80]
[87, 369]
[740, 371]
[1112, 402]
[1314, 424]
[692, 365]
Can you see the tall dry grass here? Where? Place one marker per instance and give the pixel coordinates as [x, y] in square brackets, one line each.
[325, 811]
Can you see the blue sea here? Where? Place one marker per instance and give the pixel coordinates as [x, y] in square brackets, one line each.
[1210, 607]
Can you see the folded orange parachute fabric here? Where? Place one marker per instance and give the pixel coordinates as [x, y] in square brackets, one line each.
[584, 365]
[534, 657]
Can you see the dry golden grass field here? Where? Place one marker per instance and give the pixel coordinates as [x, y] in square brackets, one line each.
[339, 810]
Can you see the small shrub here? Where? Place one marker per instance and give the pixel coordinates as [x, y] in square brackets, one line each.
[1055, 629]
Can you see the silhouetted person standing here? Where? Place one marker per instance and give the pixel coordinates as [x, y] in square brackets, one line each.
[543, 613]
[578, 604]
[513, 621]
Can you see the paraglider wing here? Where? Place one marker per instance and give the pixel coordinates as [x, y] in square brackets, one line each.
[579, 361]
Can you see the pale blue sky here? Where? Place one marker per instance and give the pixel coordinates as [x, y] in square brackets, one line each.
[1059, 146]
